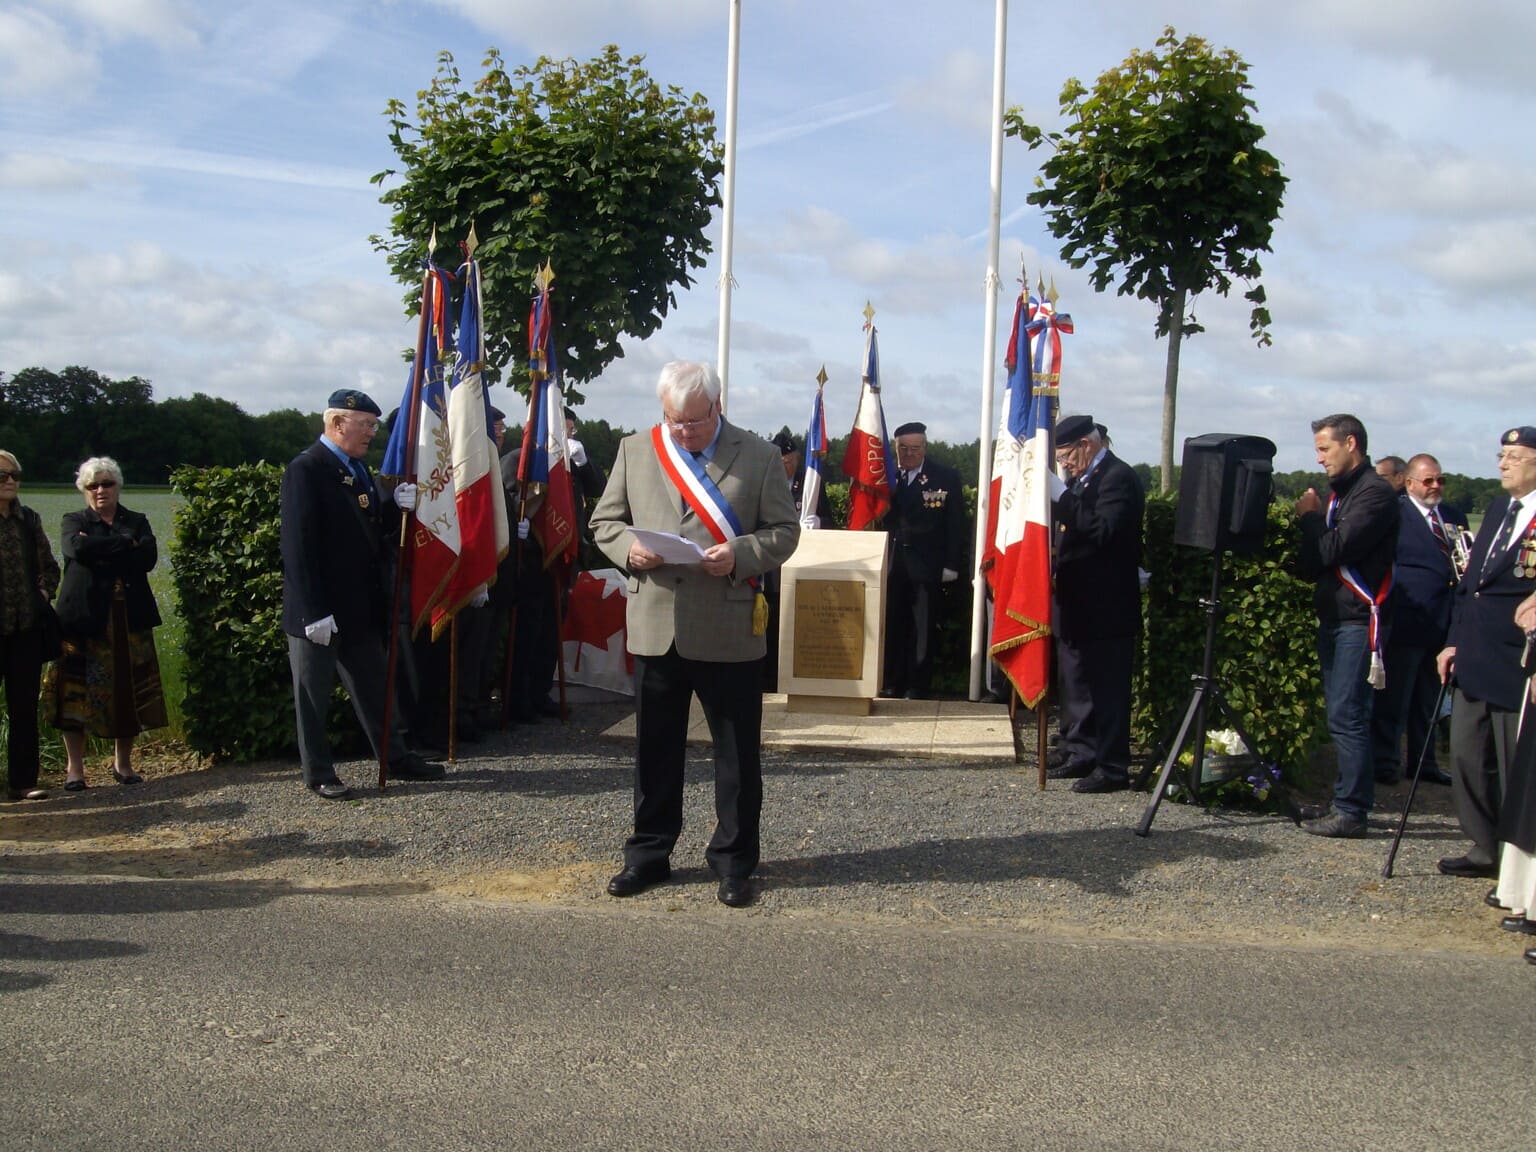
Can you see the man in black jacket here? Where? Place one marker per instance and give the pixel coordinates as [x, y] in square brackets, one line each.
[335, 581]
[1348, 547]
[926, 522]
[1483, 652]
[1097, 605]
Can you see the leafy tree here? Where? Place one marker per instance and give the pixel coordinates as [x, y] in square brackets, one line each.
[1158, 179]
[592, 166]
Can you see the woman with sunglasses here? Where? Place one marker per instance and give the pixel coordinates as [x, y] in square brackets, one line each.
[107, 682]
[29, 576]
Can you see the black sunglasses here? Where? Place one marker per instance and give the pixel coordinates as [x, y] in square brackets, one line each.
[100, 484]
[5, 475]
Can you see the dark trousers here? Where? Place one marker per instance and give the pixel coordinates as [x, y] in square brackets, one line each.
[360, 662]
[911, 632]
[1482, 748]
[731, 695]
[535, 646]
[1095, 675]
[1405, 705]
[21, 663]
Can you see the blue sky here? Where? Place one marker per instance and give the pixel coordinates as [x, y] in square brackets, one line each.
[186, 198]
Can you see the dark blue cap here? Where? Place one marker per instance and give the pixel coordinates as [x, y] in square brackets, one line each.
[353, 401]
[1071, 429]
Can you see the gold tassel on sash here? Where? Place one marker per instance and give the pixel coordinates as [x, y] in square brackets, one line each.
[759, 614]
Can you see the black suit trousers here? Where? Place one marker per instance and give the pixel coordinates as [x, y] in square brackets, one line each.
[1095, 675]
[21, 663]
[731, 696]
[1482, 749]
[911, 631]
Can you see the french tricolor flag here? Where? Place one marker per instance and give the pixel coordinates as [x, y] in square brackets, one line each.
[867, 460]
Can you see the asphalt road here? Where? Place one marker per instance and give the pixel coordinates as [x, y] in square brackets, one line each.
[243, 1014]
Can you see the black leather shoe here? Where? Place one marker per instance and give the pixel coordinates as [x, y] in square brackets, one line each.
[547, 707]
[413, 767]
[1467, 869]
[75, 785]
[127, 777]
[1101, 781]
[1335, 826]
[1492, 900]
[737, 891]
[1312, 811]
[331, 790]
[632, 881]
[1065, 771]
[1518, 924]
[1435, 776]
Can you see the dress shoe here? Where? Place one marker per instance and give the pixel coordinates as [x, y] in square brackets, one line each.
[1066, 771]
[1465, 868]
[736, 891]
[413, 767]
[1312, 811]
[331, 790]
[916, 694]
[127, 777]
[75, 785]
[889, 694]
[633, 880]
[29, 794]
[544, 706]
[1101, 781]
[1434, 775]
[1336, 826]
[1493, 901]
[1518, 924]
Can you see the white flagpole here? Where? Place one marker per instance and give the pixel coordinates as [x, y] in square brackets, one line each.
[988, 356]
[728, 198]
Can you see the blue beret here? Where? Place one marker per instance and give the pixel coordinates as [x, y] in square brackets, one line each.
[354, 401]
[1524, 436]
[1071, 429]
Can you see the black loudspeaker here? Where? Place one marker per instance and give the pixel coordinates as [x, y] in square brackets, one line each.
[1225, 486]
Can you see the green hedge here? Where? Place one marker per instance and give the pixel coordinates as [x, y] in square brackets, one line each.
[227, 565]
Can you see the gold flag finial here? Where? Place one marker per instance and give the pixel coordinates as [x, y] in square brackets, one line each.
[545, 277]
[1053, 295]
[471, 242]
[869, 313]
[432, 242]
[821, 377]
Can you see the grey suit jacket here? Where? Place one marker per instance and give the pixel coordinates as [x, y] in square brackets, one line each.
[707, 617]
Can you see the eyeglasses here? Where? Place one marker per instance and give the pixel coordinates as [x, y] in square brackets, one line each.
[690, 425]
[1430, 481]
[1514, 458]
[371, 425]
[4, 476]
[95, 484]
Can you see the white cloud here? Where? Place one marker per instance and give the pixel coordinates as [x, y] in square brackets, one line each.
[40, 59]
[957, 93]
[40, 171]
[165, 23]
[572, 26]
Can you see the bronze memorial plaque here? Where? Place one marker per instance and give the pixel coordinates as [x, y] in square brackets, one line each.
[829, 629]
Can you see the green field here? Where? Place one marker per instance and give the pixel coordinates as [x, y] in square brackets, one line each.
[160, 506]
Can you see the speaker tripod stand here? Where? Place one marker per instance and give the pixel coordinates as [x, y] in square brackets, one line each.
[1206, 694]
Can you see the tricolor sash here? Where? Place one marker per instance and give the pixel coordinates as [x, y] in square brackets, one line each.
[703, 495]
[1351, 579]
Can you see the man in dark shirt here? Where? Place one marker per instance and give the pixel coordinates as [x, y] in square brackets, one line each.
[1348, 547]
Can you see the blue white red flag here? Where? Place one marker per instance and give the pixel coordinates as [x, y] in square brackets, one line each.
[1018, 551]
[815, 450]
[543, 470]
[417, 453]
[867, 460]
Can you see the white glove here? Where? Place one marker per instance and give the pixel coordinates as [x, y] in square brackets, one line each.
[811, 521]
[481, 598]
[578, 453]
[321, 631]
[405, 496]
[522, 529]
[950, 575]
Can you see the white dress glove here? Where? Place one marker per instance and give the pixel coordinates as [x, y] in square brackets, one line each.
[405, 496]
[812, 521]
[321, 631]
[949, 576]
[577, 452]
[522, 529]
[481, 598]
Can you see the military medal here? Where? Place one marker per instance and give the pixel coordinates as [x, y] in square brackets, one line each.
[362, 500]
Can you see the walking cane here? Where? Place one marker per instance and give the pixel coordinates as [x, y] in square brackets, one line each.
[1418, 769]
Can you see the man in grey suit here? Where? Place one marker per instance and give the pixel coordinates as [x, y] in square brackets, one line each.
[696, 627]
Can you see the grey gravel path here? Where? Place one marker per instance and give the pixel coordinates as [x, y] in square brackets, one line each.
[538, 814]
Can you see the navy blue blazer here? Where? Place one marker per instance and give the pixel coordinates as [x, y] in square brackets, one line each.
[926, 521]
[1098, 553]
[335, 560]
[1424, 579]
[1488, 643]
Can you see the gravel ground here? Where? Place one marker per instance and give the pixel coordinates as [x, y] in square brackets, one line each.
[539, 813]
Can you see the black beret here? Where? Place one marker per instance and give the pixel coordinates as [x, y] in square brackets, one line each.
[1071, 429]
[497, 413]
[785, 443]
[912, 428]
[1524, 436]
[354, 401]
